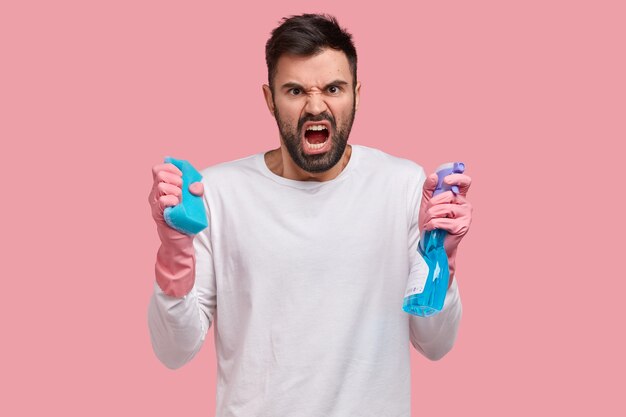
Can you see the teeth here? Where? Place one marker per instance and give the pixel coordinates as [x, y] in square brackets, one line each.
[316, 145]
[316, 127]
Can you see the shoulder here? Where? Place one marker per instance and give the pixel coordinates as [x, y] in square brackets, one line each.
[231, 170]
[382, 162]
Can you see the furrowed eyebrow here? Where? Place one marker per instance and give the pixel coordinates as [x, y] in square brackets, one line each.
[291, 85]
[296, 85]
[336, 82]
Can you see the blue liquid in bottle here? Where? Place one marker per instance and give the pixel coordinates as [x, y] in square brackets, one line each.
[429, 278]
[434, 282]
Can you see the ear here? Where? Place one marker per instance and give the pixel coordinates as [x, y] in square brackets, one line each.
[267, 93]
[357, 97]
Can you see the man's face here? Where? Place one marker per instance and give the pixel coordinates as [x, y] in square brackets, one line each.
[314, 102]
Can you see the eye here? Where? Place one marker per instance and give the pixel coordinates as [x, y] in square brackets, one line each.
[333, 89]
[295, 91]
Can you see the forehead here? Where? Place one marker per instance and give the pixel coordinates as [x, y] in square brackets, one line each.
[328, 65]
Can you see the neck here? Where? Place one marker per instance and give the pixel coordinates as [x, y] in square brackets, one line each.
[280, 163]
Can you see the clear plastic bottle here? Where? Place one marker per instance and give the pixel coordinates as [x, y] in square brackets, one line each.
[429, 277]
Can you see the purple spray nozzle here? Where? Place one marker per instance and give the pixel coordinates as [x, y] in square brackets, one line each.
[445, 170]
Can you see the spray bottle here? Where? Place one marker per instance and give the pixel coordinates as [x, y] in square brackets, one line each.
[429, 277]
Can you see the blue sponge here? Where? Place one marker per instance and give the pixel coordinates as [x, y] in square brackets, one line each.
[188, 216]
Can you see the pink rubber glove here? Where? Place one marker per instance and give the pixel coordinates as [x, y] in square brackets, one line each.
[447, 211]
[176, 261]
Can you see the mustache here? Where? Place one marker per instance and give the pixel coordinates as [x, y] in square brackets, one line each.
[317, 118]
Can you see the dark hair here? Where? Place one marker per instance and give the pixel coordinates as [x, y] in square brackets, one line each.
[307, 35]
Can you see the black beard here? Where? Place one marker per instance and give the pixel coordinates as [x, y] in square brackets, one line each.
[320, 162]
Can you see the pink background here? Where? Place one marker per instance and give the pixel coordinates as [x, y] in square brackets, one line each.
[530, 94]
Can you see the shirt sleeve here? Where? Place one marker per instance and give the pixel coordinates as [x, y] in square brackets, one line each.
[432, 336]
[178, 326]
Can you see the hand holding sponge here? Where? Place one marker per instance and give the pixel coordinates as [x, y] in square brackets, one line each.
[178, 211]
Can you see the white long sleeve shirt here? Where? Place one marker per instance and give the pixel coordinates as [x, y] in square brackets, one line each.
[304, 283]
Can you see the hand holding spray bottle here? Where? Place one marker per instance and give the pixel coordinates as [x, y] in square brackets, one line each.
[429, 277]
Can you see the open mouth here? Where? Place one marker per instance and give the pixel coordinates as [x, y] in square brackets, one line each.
[316, 138]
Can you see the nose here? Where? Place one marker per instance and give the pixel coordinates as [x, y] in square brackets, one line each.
[315, 103]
